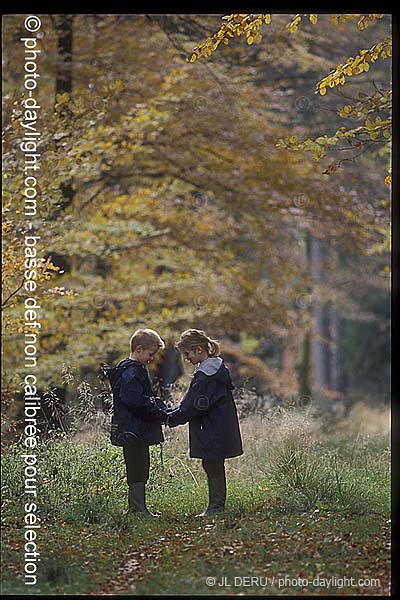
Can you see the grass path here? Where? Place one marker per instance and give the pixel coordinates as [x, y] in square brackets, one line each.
[273, 548]
[306, 515]
[175, 555]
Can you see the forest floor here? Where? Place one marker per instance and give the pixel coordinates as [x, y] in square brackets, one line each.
[260, 551]
[307, 514]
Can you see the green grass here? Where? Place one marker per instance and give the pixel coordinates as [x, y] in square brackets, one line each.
[298, 506]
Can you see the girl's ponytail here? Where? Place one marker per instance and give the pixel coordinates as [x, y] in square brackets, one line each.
[213, 347]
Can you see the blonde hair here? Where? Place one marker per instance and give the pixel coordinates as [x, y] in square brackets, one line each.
[147, 338]
[191, 338]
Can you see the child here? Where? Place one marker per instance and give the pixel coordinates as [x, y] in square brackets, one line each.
[138, 414]
[209, 407]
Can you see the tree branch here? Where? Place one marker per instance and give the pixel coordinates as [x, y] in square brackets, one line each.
[12, 294]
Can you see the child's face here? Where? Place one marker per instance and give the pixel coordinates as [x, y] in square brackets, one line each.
[194, 355]
[146, 355]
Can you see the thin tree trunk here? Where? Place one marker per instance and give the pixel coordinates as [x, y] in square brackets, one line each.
[326, 341]
[304, 368]
[304, 363]
[64, 82]
[64, 26]
[320, 359]
[334, 380]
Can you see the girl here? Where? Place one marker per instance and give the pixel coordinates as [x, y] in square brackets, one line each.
[209, 408]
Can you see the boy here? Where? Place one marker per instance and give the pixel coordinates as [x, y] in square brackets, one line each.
[138, 414]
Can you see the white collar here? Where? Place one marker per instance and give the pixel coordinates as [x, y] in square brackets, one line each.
[210, 365]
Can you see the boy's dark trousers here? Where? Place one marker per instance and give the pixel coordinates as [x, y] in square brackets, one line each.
[137, 462]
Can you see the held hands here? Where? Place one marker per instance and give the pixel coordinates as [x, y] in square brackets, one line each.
[165, 412]
[175, 418]
[161, 408]
[170, 420]
[170, 416]
[157, 400]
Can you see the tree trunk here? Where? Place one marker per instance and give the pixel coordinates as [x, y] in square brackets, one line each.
[335, 379]
[320, 356]
[304, 369]
[304, 363]
[64, 27]
[64, 57]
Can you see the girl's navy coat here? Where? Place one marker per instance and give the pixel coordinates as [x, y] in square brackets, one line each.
[209, 407]
[136, 411]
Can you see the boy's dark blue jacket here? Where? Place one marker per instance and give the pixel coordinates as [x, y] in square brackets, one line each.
[209, 407]
[137, 412]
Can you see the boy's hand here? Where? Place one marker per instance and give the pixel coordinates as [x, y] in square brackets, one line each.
[160, 403]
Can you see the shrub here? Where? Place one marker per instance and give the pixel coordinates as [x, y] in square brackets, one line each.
[309, 472]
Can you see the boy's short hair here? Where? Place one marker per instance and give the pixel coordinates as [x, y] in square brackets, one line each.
[147, 338]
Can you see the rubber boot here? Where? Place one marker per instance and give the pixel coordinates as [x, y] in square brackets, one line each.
[137, 501]
[216, 496]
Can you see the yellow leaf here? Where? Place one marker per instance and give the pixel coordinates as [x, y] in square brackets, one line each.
[62, 98]
[313, 19]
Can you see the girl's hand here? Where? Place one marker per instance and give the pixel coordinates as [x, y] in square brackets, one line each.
[175, 418]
